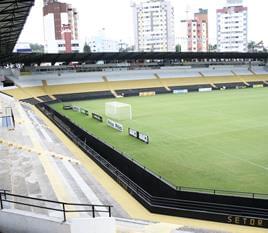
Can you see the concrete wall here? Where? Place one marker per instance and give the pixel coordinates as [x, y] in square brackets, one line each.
[16, 221]
[93, 225]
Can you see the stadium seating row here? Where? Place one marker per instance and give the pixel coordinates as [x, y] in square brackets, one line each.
[165, 79]
[65, 78]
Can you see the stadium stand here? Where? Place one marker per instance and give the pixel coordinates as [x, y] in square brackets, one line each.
[88, 95]
[259, 70]
[191, 88]
[233, 85]
[122, 80]
[146, 81]
[178, 73]
[241, 71]
[32, 101]
[255, 78]
[130, 76]
[26, 82]
[45, 98]
[25, 157]
[162, 83]
[36, 163]
[77, 88]
[136, 92]
[65, 78]
[215, 72]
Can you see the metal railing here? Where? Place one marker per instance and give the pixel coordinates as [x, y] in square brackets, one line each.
[253, 195]
[7, 197]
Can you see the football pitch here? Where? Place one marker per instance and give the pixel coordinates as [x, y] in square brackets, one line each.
[215, 140]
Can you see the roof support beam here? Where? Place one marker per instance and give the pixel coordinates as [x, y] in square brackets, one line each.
[13, 15]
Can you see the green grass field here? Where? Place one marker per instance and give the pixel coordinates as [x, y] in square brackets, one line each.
[214, 140]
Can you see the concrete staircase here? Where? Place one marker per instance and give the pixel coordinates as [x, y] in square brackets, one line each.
[213, 85]
[235, 74]
[161, 82]
[105, 79]
[242, 80]
[201, 74]
[251, 71]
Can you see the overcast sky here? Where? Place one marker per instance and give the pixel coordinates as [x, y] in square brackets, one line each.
[116, 17]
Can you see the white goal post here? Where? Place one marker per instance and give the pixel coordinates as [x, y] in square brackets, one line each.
[118, 111]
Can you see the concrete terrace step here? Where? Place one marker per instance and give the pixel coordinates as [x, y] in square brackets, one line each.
[40, 153]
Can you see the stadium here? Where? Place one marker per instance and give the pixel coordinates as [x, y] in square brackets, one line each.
[137, 141]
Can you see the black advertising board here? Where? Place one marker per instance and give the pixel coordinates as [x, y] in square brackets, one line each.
[144, 137]
[84, 111]
[115, 125]
[67, 107]
[133, 133]
[140, 136]
[97, 117]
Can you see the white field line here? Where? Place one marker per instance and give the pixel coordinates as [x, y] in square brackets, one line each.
[222, 152]
[233, 157]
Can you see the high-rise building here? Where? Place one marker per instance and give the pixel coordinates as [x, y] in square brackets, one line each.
[195, 33]
[154, 26]
[101, 43]
[60, 27]
[232, 27]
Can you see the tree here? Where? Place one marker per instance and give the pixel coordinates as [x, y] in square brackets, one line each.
[178, 48]
[251, 46]
[37, 48]
[212, 48]
[127, 49]
[87, 48]
[256, 47]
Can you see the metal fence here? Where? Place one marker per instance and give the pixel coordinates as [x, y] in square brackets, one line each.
[64, 207]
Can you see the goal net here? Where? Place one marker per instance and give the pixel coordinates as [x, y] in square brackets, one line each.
[118, 111]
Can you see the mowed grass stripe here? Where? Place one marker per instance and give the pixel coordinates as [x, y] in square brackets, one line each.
[212, 140]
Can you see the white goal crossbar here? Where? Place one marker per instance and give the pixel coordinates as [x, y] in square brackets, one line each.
[118, 110]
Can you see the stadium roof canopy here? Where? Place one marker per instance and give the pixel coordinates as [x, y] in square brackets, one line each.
[13, 15]
[117, 57]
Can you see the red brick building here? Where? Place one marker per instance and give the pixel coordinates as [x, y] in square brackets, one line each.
[60, 27]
